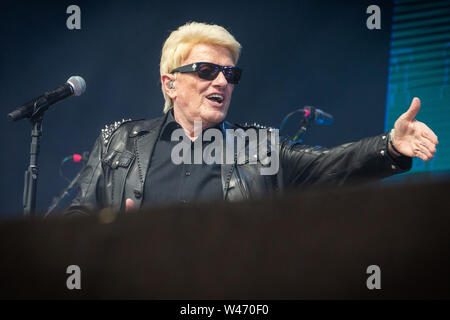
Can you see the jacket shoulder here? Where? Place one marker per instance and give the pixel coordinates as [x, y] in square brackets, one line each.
[132, 127]
[254, 125]
[108, 130]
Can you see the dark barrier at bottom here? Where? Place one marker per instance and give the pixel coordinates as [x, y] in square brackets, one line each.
[357, 243]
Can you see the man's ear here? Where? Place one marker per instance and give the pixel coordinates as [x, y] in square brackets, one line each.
[169, 86]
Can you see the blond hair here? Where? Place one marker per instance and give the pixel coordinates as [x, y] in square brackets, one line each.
[180, 42]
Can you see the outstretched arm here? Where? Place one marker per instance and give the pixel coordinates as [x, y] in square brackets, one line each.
[365, 160]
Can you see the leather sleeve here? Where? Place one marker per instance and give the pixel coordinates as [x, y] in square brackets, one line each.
[357, 162]
[88, 198]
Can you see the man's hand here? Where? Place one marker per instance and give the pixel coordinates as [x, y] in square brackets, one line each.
[413, 138]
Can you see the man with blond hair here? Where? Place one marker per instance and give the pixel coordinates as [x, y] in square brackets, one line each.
[132, 164]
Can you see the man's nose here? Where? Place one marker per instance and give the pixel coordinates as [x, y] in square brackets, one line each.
[220, 80]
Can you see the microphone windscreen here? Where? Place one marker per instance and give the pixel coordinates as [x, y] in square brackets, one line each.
[78, 85]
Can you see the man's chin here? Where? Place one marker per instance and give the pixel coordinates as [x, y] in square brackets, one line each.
[214, 116]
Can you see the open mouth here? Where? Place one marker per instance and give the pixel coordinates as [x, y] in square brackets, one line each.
[216, 97]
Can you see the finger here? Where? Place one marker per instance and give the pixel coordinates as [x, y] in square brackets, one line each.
[129, 205]
[430, 146]
[426, 152]
[423, 150]
[421, 155]
[413, 109]
[429, 134]
[432, 141]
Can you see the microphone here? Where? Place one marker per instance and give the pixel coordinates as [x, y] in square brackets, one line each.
[310, 115]
[318, 116]
[77, 157]
[74, 158]
[75, 85]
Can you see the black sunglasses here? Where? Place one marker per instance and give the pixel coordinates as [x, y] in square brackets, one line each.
[210, 71]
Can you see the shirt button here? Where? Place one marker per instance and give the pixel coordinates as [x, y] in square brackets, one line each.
[137, 194]
[383, 137]
[187, 173]
[393, 167]
[382, 152]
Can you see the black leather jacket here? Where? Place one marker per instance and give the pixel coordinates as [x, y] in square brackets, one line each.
[117, 167]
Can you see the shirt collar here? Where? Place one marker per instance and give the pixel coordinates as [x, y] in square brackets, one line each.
[170, 125]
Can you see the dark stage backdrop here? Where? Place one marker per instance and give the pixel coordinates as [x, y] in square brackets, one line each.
[295, 53]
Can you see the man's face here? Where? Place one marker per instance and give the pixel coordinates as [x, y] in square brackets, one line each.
[191, 102]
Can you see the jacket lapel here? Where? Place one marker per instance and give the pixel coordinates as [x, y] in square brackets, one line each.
[227, 167]
[145, 136]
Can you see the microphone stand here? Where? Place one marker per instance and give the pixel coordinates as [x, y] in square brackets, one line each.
[63, 194]
[305, 124]
[31, 174]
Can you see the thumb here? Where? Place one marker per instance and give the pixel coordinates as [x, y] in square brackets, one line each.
[129, 205]
[413, 110]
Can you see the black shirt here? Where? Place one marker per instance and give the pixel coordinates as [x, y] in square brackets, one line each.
[169, 183]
